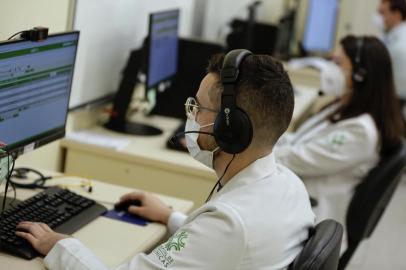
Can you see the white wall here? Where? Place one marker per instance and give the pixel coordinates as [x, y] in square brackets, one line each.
[109, 31]
[357, 17]
[17, 15]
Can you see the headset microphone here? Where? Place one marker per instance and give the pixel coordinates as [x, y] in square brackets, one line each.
[177, 136]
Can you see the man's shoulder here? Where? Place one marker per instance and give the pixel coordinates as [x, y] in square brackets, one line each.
[268, 200]
[260, 215]
[218, 214]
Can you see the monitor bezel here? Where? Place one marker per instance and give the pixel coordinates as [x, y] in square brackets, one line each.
[148, 49]
[41, 139]
[335, 29]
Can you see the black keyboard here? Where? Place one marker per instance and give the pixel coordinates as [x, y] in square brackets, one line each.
[63, 211]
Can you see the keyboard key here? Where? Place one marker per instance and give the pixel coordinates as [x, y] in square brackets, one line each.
[55, 207]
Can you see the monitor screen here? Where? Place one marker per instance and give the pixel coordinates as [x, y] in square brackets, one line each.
[163, 47]
[35, 84]
[320, 29]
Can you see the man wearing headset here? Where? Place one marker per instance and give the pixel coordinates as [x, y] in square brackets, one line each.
[392, 21]
[259, 216]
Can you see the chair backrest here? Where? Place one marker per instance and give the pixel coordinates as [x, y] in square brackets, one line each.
[373, 195]
[322, 250]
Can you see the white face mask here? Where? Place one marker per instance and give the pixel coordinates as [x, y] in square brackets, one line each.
[332, 80]
[378, 21]
[203, 156]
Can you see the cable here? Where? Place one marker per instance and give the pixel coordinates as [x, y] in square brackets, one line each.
[9, 173]
[2, 193]
[16, 34]
[40, 182]
[37, 183]
[85, 183]
[14, 194]
[218, 181]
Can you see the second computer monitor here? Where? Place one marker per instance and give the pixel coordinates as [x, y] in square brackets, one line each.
[163, 46]
[321, 24]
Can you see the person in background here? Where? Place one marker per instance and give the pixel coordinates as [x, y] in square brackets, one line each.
[260, 215]
[335, 149]
[392, 20]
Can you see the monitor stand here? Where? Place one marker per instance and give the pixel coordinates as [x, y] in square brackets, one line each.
[134, 129]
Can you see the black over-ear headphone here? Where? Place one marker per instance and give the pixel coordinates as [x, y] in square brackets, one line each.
[359, 74]
[232, 127]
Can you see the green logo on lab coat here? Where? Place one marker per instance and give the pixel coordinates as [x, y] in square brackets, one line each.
[177, 241]
[338, 140]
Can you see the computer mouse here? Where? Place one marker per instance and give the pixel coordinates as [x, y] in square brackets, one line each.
[123, 206]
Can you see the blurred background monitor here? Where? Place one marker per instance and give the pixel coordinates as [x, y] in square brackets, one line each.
[163, 46]
[321, 25]
[158, 58]
[194, 57]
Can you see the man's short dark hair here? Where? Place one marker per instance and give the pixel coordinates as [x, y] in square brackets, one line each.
[264, 91]
[397, 5]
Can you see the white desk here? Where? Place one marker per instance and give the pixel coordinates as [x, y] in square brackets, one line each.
[309, 77]
[146, 163]
[112, 241]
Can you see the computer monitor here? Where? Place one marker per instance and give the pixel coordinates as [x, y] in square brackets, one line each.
[262, 36]
[35, 85]
[161, 65]
[162, 47]
[321, 26]
[190, 73]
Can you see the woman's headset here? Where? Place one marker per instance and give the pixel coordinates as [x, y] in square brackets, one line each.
[232, 127]
[359, 74]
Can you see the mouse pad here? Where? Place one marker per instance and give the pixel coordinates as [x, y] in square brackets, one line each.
[123, 216]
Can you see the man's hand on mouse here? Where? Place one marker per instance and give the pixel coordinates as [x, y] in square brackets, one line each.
[151, 207]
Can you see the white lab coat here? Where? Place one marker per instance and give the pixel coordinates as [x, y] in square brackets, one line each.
[395, 41]
[331, 158]
[258, 220]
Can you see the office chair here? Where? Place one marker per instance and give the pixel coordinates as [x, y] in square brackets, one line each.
[322, 250]
[370, 200]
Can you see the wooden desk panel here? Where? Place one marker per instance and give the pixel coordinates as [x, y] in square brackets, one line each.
[158, 177]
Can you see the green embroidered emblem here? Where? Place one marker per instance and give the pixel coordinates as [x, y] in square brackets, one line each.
[176, 241]
[163, 256]
[338, 140]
